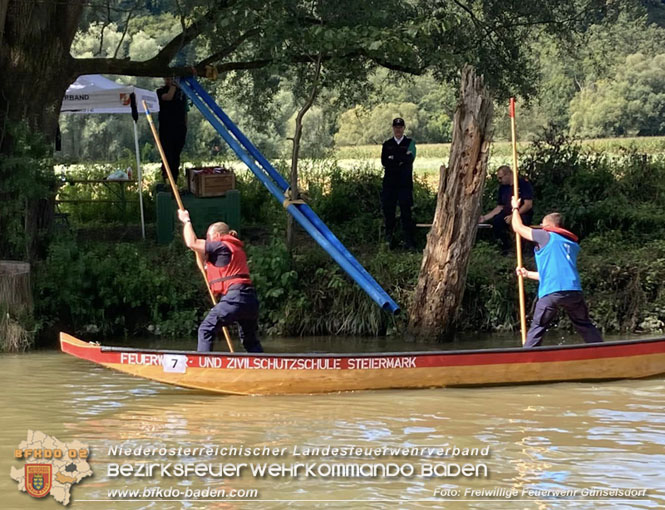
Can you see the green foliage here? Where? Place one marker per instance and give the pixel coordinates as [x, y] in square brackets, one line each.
[490, 300]
[309, 294]
[426, 104]
[632, 102]
[274, 277]
[359, 126]
[361, 42]
[348, 200]
[27, 187]
[119, 288]
[626, 290]
[614, 201]
[256, 206]
[597, 193]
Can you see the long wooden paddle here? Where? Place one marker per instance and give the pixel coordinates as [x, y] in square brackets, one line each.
[518, 242]
[176, 194]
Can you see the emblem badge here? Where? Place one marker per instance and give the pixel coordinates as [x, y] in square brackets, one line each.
[38, 479]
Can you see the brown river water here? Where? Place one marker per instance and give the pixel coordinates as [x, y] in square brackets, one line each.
[557, 446]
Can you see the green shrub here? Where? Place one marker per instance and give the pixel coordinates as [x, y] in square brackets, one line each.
[616, 204]
[119, 289]
[595, 192]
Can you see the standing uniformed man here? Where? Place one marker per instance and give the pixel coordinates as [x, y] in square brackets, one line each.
[397, 156]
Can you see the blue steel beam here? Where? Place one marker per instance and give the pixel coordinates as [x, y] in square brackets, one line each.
[378, 295]
[196, 88]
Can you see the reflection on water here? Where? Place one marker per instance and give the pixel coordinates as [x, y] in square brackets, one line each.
[556, 437]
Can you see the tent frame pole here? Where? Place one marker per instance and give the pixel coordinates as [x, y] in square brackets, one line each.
[139, 177]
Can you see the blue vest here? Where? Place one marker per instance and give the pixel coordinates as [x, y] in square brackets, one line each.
[557, 265]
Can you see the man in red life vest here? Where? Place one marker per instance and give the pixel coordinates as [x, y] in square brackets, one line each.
[228, 277]
[559, 282]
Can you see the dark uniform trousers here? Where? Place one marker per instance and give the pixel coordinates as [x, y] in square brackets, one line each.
[546, 310]
[240, 305]
[502, 229]
[173, 140]
[392, 194]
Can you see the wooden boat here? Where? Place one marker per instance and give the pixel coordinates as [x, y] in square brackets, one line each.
[280, 374]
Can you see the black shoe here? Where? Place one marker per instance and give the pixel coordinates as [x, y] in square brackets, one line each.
[409, 242]
[390, 240]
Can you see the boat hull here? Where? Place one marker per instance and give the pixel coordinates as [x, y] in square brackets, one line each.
[280, 374]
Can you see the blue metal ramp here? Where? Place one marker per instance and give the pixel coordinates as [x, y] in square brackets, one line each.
[278, 186]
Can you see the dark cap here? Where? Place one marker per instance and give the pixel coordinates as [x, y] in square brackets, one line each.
[399, 121]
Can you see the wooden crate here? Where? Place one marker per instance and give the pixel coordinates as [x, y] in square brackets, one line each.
[211, 184]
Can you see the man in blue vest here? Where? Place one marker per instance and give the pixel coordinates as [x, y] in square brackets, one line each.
[228, 276]
[559, 287]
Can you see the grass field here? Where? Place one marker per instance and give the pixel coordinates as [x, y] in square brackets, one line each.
[502, 149]
[431, 156]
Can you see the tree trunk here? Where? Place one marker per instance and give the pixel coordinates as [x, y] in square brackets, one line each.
[295, 154]
[36, 68]
[15, 303]
[15, 289]
[294, 191]
[442, 279]
[35, 63]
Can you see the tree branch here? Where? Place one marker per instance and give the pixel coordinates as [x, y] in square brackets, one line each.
[225, 52]
[106, 23]
[155, 66]
[190, 33]
[124, 32]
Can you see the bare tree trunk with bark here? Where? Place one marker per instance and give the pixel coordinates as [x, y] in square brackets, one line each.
[295, 154]
[440, 288]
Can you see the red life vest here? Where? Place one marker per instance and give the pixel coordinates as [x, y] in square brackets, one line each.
[235, 272]
[563, 232]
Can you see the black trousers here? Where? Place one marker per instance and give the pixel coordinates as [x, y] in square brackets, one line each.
[502, 229]
[173, 141]
[573, 304]
[391, 195]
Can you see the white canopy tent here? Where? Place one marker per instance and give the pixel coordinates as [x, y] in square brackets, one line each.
[95, 94]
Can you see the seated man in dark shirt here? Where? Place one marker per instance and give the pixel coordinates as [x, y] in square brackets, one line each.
[228, 277]
[501, 214]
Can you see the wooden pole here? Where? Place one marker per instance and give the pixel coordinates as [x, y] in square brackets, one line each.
[176, 194]
[518, 243]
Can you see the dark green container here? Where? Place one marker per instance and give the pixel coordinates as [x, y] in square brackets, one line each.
[202, 211]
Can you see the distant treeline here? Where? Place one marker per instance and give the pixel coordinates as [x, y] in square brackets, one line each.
[608, 81]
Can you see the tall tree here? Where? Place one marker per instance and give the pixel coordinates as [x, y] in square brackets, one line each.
[443, 271]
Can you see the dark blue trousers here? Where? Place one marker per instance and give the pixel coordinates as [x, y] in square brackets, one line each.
[240, 305]
[391, 195]
[546, 310]
[502, 230]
